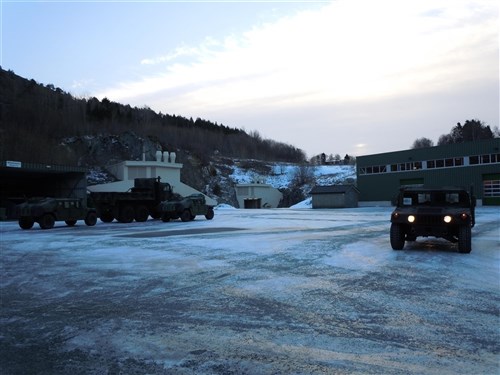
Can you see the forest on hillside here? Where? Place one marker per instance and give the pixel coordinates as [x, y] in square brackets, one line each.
[36, 118]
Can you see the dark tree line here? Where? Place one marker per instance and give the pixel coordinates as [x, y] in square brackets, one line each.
[35, 118]
[470, 131]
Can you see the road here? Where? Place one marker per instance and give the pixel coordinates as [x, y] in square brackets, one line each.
[285, 291]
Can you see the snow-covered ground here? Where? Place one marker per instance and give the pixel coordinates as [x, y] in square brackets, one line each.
[288, 291]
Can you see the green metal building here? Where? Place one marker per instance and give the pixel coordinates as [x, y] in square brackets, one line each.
[476, 164]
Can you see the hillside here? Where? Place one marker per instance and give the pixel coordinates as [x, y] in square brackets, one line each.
[37, 118]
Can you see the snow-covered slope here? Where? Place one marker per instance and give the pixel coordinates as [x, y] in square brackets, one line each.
[282, 175]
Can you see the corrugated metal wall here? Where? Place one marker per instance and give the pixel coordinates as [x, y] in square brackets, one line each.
[384, 186]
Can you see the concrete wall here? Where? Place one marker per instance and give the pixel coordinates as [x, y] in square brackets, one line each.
[269, 196]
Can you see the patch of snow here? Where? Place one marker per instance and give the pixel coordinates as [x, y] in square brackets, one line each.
[224, 206]
[307, 203]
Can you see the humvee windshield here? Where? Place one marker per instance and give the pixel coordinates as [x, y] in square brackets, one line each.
[435, 198]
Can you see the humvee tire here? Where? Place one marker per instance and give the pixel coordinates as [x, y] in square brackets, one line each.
[47, 221]
[464, 239]
[397, 237]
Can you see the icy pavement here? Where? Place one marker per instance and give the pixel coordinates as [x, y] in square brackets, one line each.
[285, 291]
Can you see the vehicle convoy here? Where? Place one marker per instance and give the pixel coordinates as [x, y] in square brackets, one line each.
[140, 202]
[46, 211]
[447, 213]
[186, 208]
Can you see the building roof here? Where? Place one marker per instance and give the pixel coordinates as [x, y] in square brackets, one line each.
[8, 167]
[333, 189]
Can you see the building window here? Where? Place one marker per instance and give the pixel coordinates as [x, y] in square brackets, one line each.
[451, 162]
[491, 188]
[484, 159]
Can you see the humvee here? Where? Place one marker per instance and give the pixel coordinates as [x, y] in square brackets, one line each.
[46, 211]
[447, 213]
[186, 208]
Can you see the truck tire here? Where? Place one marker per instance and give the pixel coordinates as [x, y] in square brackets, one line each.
[47, 221]
[155, 214]
[126, 214]
[464, 239]
[397, 236]
[210, 214]
[26, 222]
[70, 223]
[165, 218]
[186, 215]
[141, 213]
[107, 217]
[91, 219]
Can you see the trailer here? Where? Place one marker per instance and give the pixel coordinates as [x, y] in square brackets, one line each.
[140, 202]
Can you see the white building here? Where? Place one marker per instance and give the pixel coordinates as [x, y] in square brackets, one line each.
[164, 167]
[257, 195]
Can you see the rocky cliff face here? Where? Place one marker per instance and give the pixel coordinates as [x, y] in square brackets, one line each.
[104, 150]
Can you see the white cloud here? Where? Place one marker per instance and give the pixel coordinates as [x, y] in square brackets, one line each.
[348, 51]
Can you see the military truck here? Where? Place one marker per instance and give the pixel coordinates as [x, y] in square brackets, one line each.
[186, 208]
[46, 211]
[140, 202]
[447, 213]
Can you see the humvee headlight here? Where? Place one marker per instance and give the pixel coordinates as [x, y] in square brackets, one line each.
[395, 215]
[447, 219]
[411, 218]
[464, 216]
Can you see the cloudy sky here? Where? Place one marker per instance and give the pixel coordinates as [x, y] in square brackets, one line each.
[344, 76]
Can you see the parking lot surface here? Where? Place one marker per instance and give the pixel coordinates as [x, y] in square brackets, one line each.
[285, 291]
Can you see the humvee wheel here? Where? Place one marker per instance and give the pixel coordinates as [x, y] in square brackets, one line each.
[91, 219]
[186, 215]
[141, 213]
[47, 221]
[464, 239]
[107, 217]
[26, 222]
[210, 214]
[70, 223]
[397, 237]
[165, 218]
[126, 214]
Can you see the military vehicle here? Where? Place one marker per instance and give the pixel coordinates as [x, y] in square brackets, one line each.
[186, 208]
[140, 202]
[447, 213]
[46, 211]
